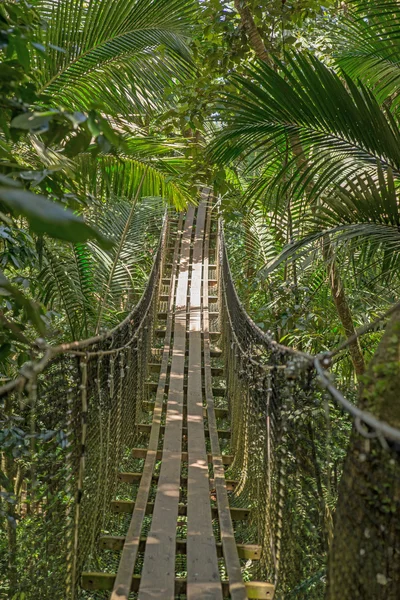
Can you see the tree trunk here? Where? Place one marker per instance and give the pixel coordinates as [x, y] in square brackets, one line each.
[255, 39]
[342, 307]
[364, 561]
[337, 289]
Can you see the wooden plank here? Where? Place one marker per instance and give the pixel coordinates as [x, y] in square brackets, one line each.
[136, 477]
[220, 413]
[227, 459]
[237, 587]
[164, 297]
[126, 566]
[163, 315]
[203, 579]
[127, 506]
[155, 368]
[160, 333]
[190, 264]
[152, 387]
[214, 352]
[255, 590]
[147, 428]
[116, 543]
[158, 574]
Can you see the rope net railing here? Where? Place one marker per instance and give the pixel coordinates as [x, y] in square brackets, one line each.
[67, 422]
[293, 437]
[303, 455]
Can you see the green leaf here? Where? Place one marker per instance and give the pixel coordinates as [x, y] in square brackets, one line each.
[78, 143]
[31, 308]
[22, 53]
[33, 121]
[93, 126]
[48, 217]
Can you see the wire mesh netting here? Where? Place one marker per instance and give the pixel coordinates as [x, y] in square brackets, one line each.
[323, 484]
[66, 429]
[282, 431]
[70, 423]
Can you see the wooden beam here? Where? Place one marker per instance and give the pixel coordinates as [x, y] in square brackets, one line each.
[155, 368]
[256, 590]
[227, 459]
[231, 484]
[152, 387]
[203, 577]
[146, 428]
[127, 506]
[116, 543]
[220, 413]
[237, 587]
[158, 570]
[121, 590]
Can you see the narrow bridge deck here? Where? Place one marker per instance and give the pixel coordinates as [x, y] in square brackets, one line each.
[190, 440]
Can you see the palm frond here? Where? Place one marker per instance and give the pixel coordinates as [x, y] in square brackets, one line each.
[73, 278]
[364, 214]
[119, 54]
[369, 47]
[65, 283]
[339, 128]
[119, 176]
[117, 269]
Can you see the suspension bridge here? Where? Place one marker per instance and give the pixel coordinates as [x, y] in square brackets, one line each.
[164, 457]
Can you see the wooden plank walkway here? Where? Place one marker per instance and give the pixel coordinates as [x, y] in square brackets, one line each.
[158, 574]
[123, 580]
[185, 377]
[203, 578]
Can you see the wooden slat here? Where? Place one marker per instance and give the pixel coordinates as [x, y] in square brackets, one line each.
[127, 477]
[116, 543]
[255, 590]
[164, 297]
[214, 352]
[147, 428]
[127, 506]
[162, 315]
[126, 566]
[220, 413]
[215, 371]
[203, 579]
[152, 387]
[227, 459]
[158, 574]
[237, 587]
[160, 333]
[190, 264]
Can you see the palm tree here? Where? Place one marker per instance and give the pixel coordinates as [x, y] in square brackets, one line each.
[100, 69]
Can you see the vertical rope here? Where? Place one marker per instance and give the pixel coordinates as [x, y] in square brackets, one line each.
[84, 419]
[69, 491]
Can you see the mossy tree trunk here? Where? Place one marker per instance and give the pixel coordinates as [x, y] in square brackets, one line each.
[364, 560]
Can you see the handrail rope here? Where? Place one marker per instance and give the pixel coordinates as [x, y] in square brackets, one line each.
[34, 368]
[381, 429]
[330, 353]
[264, 337]
[378, 429]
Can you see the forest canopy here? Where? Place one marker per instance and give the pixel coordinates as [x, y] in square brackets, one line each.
[116, 113]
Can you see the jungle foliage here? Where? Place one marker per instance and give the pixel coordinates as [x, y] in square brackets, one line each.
[289, 109]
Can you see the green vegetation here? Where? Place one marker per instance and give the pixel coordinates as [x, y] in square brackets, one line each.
[113, 111]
